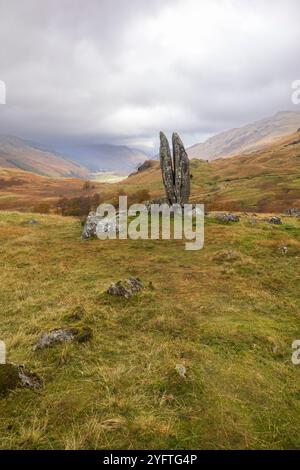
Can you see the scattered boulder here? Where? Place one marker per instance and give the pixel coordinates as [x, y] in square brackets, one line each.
[95, 222]
[58, 335]
[29, 379]
[89, 229]
[227, 217]
[119, 289]
[13, 376]
[275, 220]
[62, 335]
[284, 250]
[126, 288]
[31, 222]
[181, 370]
[293, 212]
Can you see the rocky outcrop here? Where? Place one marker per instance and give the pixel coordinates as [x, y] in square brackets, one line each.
[175, 170]
[125, 288]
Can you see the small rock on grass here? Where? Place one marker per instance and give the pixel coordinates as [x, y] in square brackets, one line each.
[284, 250]
[227, 218]
[31, 222]
[274, 220]
[126, 288]
[181, 370]
[62, 335]
[13, 376]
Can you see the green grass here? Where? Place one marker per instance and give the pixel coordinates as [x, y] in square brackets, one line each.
[230, 323]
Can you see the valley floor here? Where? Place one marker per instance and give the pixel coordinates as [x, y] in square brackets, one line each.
[229, 320]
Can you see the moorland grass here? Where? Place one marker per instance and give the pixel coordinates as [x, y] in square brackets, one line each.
[231, 323]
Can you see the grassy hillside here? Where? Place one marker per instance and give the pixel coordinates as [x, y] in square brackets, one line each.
[23, 190]
[230, 323]
[265, 181]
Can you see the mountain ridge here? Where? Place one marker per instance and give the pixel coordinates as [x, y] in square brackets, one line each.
[27, 155]
[248, 138]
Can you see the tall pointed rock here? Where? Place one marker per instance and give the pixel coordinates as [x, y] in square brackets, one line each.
[175, 171]
[166, 168]
[181, 170]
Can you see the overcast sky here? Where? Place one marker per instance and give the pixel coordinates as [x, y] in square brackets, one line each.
[118, 71]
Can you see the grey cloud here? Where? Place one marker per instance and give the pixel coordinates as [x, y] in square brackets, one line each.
[119, 71]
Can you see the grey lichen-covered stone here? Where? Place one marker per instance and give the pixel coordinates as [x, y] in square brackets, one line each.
[135, 284]
[227, 217]
[274, 220]
[293, 212]
[97, 223]
[31, 222]
[175, 171]
[125, 288]
[181, 370]
[62, 335]
[284, 250]
[29, 379]
[13, 376]
[89, 229]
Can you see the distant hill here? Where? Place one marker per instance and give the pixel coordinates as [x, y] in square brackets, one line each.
[247, 138]
[30, 156]
[107, 157]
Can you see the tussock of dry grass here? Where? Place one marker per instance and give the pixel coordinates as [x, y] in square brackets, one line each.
[231, 324]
